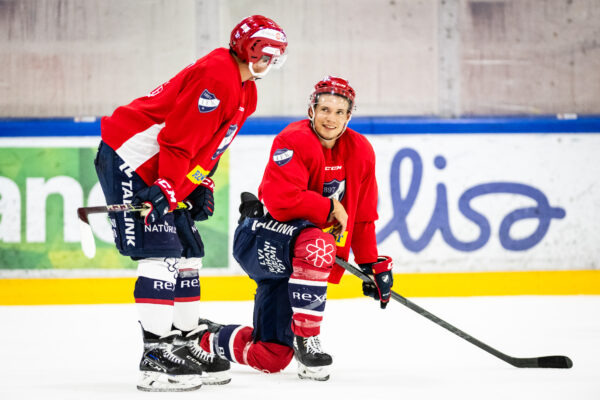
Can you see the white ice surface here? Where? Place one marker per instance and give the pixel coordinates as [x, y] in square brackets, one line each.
[92, 352]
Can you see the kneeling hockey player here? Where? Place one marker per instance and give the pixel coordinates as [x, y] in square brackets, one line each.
[320, 192]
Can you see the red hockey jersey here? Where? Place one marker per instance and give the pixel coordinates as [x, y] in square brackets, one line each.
[295, 177]
[179, 131]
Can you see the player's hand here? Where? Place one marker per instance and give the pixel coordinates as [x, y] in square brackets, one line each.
[381, 287]
[339, 215]
[201, 202]
[158, 199]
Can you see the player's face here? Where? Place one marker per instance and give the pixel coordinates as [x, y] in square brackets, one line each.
[331, 116]
[261, 65]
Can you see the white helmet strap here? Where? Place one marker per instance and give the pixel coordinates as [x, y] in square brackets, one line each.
[257, 74]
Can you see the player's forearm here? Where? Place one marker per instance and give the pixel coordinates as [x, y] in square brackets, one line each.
[174, 168]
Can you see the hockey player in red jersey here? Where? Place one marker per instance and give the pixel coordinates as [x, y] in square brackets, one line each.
[160, 150]
[320, 192]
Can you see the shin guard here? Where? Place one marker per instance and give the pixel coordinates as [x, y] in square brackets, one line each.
[187, 294]
[154, 294]
[314, 254]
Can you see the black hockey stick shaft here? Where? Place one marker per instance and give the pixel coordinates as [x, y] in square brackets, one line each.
[83, 212]
[533, 362]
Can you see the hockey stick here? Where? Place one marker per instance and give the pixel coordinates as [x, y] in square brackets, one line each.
[534, 362]
[88, 245]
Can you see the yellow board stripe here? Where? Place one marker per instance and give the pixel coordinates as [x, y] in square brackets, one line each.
[234, 288]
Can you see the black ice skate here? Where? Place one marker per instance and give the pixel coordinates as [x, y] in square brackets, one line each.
[163, 371]
[312, 361]
[213, 327]
[188, 347]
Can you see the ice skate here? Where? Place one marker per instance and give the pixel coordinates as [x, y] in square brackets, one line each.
[188, 347]
[213, 327]
[163, 371]
[312, 361]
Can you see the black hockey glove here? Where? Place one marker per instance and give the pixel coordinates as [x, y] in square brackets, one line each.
[201, 201]
[250, 207]
[159, 198]
[381, 272]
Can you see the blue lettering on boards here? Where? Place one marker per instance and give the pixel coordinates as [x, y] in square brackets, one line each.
[543, 212]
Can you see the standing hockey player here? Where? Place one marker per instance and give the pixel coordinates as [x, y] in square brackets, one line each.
[162, 149]
[319, 182]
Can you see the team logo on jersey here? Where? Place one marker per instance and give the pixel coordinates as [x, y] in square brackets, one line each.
[335, 189]
[226, 141]
[207, 102]
[282, 156]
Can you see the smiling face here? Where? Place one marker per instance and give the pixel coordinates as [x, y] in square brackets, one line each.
[331, 114]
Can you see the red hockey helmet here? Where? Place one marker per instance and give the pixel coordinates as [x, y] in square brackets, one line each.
[256, 37]
[334, 85]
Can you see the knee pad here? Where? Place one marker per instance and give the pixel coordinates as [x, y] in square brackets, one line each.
[314, 254]
[269, 357]
[236, 343]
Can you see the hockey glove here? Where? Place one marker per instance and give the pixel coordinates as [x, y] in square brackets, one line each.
[381, 272]
[250, 207]
[201, 201]
[159, 198]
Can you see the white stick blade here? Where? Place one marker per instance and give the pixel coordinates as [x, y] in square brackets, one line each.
[88, 245]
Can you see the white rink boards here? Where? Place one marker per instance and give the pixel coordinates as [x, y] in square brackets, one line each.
[472, 202]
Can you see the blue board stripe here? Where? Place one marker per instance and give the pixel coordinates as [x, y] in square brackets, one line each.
[65, 127]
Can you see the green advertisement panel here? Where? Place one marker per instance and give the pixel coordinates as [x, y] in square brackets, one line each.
[40, 191]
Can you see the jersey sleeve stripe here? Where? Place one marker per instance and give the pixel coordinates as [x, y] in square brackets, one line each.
[140, 147]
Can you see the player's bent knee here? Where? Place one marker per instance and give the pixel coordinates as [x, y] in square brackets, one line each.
[314, 249]
[269, 357]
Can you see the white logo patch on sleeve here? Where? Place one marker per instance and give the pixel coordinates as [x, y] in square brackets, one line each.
[207, 102]
[282, 156]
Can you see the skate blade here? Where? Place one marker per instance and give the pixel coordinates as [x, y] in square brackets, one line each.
[160, 382]
[216, 378]
[313, 373]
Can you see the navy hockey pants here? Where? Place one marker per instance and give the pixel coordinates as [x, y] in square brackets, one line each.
[175, 235]
[263, 247]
